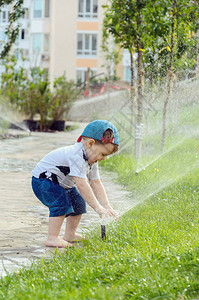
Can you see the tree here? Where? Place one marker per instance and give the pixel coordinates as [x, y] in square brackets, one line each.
[63, 94]
[31, 94]
[27, 94]
[160, 32]
[124, 20]
[110, 52]
[174, 21]
[12, 30]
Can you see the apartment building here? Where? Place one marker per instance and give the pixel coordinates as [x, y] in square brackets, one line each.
[62, 36]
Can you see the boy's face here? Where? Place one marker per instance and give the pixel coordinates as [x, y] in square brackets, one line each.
[96, 152]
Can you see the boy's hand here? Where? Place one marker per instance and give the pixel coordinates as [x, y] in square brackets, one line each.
[107, 211]
[102, 211]
[90, 197]
[113, 214]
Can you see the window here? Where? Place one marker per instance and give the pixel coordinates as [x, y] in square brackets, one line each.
[4, 16]
[88, 8]
[24, 53]
[2, 36]
[23, 34]
[36, 42]
[127, 74]
[81, 74]
[46, 42]
[47, 9]
[38, 4]
[87, 44]
[16, 53]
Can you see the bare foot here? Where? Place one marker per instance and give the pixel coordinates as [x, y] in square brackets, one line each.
[75, 238]
[57, 242]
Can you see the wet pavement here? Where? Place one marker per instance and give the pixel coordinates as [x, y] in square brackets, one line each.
[24, 221]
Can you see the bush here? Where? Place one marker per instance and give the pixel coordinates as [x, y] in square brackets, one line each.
[30, 94]
[64, 93]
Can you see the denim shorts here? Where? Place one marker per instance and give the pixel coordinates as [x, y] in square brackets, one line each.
[60, 201]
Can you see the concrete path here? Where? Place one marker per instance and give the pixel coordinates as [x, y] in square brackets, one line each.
[24, 221]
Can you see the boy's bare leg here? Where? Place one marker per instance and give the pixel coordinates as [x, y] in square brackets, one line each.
[54, 227]
[72, 223]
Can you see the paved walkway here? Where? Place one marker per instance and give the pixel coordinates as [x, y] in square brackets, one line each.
[24, 221]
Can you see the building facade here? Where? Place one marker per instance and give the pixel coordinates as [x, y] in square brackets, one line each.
[62, 36]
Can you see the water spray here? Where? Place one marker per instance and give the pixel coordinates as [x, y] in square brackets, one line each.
[138, 170]
[159, 156]
[15, 124]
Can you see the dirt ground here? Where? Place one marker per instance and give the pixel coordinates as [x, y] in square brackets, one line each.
[24, 221]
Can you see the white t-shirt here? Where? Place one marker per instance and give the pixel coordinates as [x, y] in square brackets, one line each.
[63, 163]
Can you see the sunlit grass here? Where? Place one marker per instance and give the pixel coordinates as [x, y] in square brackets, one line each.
[189, 114]
[181, 122]
[155, 172]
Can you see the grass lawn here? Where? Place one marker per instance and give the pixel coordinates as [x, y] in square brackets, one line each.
[152, 252]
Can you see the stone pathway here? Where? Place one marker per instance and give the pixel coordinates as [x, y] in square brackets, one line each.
[24, 221]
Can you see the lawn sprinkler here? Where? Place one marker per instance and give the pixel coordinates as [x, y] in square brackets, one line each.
[103, 232]
[137, 172]
[104, 221]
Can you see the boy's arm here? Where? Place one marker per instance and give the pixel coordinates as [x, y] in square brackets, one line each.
[88, 195]
[100, 194]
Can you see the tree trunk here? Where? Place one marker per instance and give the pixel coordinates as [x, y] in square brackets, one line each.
[139, 86]
[31, 106]
[169, 78]
[165, 110]
[41, 117]
[138, 127]
[197, 55]
[87, 87]
[132, 94]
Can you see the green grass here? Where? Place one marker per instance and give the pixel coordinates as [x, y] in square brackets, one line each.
[180, 122]
[152, 252]
[155, 172]
[186, 112]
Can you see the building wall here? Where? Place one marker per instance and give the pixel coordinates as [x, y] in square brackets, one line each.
[101, 55]
[63, 38]
[65, 26]
[62, 27]
[92, 26]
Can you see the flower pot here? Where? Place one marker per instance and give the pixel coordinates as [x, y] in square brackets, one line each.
[32, 125]
[58, 125]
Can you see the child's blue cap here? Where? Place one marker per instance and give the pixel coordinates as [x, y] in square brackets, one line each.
[96, 129]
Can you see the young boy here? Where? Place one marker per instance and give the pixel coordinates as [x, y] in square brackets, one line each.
[55, 176]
